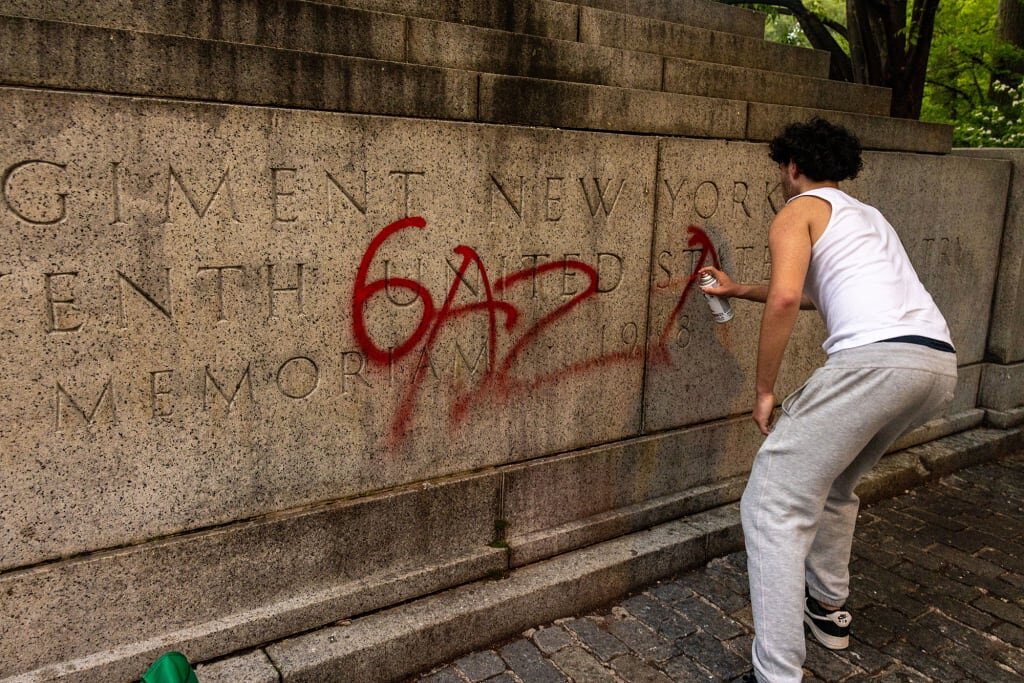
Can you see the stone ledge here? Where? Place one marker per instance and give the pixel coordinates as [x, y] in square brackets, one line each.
[1005, 419]
[409, 638]
[765, 121]
[254, 667]
[403, 640]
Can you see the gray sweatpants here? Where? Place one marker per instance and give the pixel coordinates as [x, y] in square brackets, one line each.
[799, 508]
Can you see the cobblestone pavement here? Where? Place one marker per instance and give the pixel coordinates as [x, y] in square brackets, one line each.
[937, 595]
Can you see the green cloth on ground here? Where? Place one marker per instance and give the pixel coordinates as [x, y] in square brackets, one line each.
[170, 667]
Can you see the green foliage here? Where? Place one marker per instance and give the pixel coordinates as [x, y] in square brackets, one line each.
[994, 125]
[960, 89]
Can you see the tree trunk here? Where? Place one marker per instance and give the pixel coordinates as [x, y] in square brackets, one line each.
[1009, 67]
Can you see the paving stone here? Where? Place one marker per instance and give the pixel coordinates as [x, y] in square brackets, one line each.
[867, 657]
[634, 670]
[709, 618]
[1009, 633]
[661, 618]
[968, 562]
[600, 642]
[1005, 610]
[827, 665]
[527, 662]
[926, 661]
[682, 668]
[551, 639]
[980, 668]
[445, 675]
[579, 665]
[502, 678]
[641, 639]
[481, 665]
[669, 592]
[712, 655]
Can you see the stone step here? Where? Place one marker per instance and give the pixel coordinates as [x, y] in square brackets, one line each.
[669, 39]
[312, 27]
[535, 102]
[136, 63]
[470, 48]
[558, 19]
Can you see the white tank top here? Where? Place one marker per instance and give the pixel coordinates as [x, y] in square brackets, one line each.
[862, 282]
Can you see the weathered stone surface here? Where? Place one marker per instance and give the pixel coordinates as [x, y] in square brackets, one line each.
[203, 355]
[133, 63]
[689, 42]
[254, 667]
[475, 49]
[307, 26]
[1006, 339]
[455, 622]
[702, 13]
[700, 370]
[1002, 386]
[757, 85]
[535, 102]
[556, 504]
[215, 592]
[538, 17]
[764, 121]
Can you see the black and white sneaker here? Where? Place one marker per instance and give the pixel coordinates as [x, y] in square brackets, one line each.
[831, 629]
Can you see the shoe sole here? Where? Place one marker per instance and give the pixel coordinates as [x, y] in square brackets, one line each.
[829, 641]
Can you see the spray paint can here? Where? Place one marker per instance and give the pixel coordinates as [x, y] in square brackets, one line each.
[719, 306]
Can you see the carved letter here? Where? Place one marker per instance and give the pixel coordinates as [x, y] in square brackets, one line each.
[277, 192]
[156, 390]
[552, 201]
[405, 186]
[465, 361]
[166, 310]
[90, 417]
[673, 194]
[313, 372]
[668, 271]
[229, 401]
[200, 211]
[298, 288]
[53, 314]
[387, 286]
[5, 192]
[220, 286]
[361, 208]
[522, 191]
[617, 262]
[567, 273]
[115, 181]
[533, 266]
[739, 196]
[705, 199]
[599, 203]
[357, 373]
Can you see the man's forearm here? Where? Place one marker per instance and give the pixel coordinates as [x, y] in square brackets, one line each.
[776, 329]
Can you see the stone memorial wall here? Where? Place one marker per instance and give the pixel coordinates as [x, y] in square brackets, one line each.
[268, 367]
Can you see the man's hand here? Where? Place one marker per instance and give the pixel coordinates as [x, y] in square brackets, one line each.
[764, 405]
[726, 286]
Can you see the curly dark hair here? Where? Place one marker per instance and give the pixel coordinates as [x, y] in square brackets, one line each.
[821, 150]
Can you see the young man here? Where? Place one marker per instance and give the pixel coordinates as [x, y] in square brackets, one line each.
[891, 366]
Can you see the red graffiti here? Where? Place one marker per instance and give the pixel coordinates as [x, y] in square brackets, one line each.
[498, 383]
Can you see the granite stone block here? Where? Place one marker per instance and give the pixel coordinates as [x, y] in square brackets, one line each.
[536, 102]
[304, 26]
[235, 342]
[695, 43]
[135, 63]
[215, 592]
[254, 667]
[765, 121]
[537, 17]
[1006, 338]
[711, 15]
[758, 85]
[555, 504]
[398, 642]
[472, 48]
[1002, 386]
